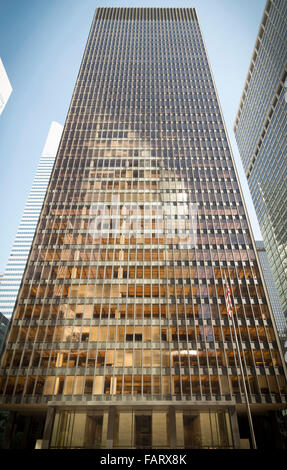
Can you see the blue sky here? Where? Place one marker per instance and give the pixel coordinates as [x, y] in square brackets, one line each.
[41, 46]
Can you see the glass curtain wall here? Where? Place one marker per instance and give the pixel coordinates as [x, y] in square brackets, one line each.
[123, 294]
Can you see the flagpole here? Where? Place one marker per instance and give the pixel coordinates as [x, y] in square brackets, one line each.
[242, 374]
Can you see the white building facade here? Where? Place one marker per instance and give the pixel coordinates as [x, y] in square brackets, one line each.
[5, 87]
[11, 279]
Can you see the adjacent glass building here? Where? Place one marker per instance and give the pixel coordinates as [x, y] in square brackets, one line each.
[272, 291]
[120, 336]
[260, 130]
[11, 279]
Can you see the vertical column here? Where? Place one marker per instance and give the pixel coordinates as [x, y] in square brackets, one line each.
[111, 425]
[234, 427]
[172, 427]
[48, 427]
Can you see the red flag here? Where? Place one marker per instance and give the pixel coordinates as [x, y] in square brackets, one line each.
[228, 298]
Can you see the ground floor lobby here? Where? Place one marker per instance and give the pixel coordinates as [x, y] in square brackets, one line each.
[130, 426]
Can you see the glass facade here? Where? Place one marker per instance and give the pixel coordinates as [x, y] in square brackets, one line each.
[143, 429]
[260, 131]
[120, 330]
[272, 291]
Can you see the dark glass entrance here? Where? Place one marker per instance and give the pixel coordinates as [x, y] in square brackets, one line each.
[143, 431]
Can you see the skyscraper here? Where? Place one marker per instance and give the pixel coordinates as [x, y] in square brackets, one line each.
[120, 336]
[5, 87]
[272, 291]
[11, 279]
[260, 131]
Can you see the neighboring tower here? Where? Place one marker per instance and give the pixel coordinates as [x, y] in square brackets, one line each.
[120, 335]
[3, 329]
[5, 87]
[260, 131]
[279, 317]
[271, 288]
[11, 279]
